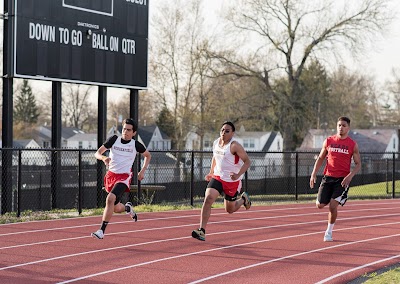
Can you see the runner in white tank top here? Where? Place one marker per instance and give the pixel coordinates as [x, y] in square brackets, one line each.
[117, 180]
[225, 162]
[229, 163]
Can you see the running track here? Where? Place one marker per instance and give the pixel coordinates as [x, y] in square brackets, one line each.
[266, 244]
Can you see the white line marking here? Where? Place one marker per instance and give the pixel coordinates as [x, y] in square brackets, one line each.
[216, 222]
[232, 246]
[288, 256]
[357, 268]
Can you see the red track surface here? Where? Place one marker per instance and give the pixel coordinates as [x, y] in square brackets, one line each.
[266, 244]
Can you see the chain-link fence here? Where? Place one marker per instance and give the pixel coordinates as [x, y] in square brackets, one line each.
[45, 179]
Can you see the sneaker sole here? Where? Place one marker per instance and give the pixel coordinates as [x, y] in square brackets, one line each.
[196, 236]
[248, 206]
[96, 236]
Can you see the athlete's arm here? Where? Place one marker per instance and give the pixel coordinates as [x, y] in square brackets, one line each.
[237, 149]
[357, 161]
[147, 157]
[106, 145]
[318, 164]
[210, 174]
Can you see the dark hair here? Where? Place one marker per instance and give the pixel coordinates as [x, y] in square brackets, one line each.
[229, 123]
[130, 121]
[344, 118]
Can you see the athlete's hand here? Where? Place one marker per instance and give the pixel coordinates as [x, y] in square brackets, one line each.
[106, 161]
[346, 181]
[234, 176]
[208, 177]
[312, 181]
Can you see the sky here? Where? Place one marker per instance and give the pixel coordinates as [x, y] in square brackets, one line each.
[377, 62]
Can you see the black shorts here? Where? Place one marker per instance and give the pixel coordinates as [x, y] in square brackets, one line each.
[118, 189]
[330, 188]
[213, 183]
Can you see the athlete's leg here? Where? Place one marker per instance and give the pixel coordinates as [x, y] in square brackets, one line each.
[210, 197]
[109, 209]
[233, 206]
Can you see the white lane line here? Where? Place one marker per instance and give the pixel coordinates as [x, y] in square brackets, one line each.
[216, 222]
[232, 246]
[147, 220]
[357, 268]
[181, 238]
[307, 206]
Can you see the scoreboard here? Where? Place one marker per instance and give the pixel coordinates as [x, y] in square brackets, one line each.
[100, 42]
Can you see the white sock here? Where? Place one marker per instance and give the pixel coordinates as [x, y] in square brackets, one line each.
[330, 227]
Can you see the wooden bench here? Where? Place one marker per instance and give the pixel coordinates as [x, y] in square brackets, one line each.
[147, 187]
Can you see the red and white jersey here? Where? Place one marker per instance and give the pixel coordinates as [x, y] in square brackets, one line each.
[122, 156]
[225, 162]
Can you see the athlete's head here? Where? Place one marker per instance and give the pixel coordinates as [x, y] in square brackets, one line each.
[130, 121]
[344, 118]
[230, 124]
[128, 129]
[343, 126]
[227, 131]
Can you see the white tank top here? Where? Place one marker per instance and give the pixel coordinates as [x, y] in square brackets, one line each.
[122, 156]
[225, 162]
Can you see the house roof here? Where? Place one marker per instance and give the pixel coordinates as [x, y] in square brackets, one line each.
[84, 137]
[145, 133]
[372, 140]
[270, 139]
[21, 143]
[67, 132]
[368, 140]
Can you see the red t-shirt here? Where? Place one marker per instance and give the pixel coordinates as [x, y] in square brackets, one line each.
[340, 152]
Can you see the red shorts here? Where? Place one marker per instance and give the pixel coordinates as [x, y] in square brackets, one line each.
[110, 179]
[229, 189]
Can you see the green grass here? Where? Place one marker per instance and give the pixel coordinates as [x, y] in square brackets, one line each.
[377, 190]
[391, 276]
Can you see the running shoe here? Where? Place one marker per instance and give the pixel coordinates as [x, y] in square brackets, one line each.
[98, 234]
[247, 202]
[328, 237]
[129, 210]
[199, 234]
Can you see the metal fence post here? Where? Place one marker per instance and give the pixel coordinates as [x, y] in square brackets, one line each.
[394, 175]
[296, 178]
[80, 174]
[19, 183]
[192, 179]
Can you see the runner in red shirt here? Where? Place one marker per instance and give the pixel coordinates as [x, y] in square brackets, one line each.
[338, 150]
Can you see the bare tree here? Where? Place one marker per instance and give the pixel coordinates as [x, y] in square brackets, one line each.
[393, 98]
[286, 33]
[353, 94]
[77, 109]
[177, 63]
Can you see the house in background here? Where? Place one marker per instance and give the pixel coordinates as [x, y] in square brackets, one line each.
[256, 143]
[150, 136]
[87, 141]
[368, 140]
[265, 141]
[375, 145]
[29, 157]
[82, 141]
